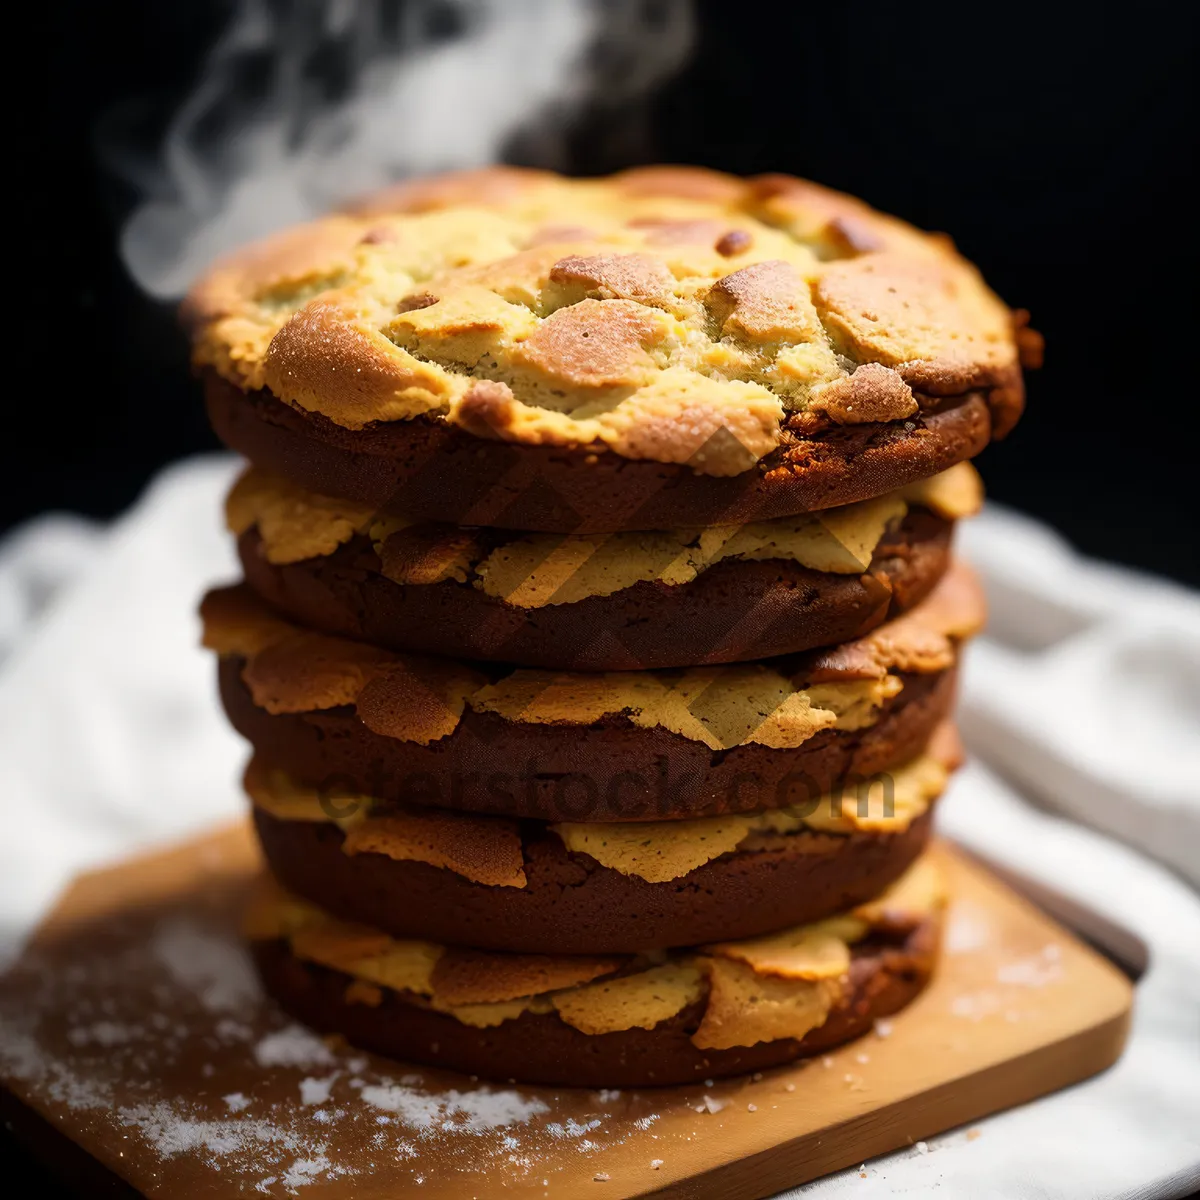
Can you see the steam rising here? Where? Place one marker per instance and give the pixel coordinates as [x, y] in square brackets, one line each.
[300, 106]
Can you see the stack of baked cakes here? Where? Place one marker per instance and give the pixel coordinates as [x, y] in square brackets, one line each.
[599, 628]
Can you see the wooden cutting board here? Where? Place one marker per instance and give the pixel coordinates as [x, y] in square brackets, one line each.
[135, 1047]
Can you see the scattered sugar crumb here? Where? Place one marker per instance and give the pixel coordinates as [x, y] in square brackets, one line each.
[968, 931]
[709, 1083]
[711, 1104]
[571, 1128]
[452, 1109]
[600, 1177]
[757, 1077]
[316, 1091]
[655, 1163]
[236, 1101]
[752, 1108]
[104, 1033]
[883, 1027]
[922, 1147]
[862, 1058]
[293, 1046]
[790, 1087]
[827, 1062]
[975, 1006]
[305, 1170]
[1035, 971]
[214, 969]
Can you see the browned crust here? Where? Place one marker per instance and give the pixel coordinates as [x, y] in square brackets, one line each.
[885, 975]
[515, 275]
[570, 904]
[434, 471]
[609, 771]
[733, 612]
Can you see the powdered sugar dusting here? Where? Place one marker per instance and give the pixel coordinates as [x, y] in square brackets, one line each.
[155, 1032]
[294, 1046]
[1035, 971]
[305, 1170]
[452, 1111]
[967, 930]
[214, 968]
[316, 1091]
[1013, 981]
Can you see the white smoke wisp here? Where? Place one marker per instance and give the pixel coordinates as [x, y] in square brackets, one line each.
[426, 85]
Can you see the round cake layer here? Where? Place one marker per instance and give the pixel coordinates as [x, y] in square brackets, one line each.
[885, 974]
[691, 1011]
[618, 746]
[441, 473]
[608, 772]
[500, 884]
[572, 905]
[607, 602]
[634, 352]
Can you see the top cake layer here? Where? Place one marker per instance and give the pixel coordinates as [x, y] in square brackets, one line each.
[664, 315]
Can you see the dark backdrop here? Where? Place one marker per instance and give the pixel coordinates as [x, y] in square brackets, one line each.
[1055, 145]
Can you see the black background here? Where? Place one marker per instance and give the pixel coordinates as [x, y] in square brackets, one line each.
[1056, 147]
[1054, 142]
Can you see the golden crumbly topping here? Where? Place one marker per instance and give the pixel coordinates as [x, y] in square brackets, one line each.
[755, 990]
[666, 314]
[417, 699]
[488, 850]
[538, 569]
[660, 851]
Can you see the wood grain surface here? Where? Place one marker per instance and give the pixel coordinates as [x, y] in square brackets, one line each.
[132, 1030]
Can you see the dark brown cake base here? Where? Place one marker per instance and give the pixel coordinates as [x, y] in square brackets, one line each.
[573, 905]
[733, 612]
[535, 1048]
[610, 771]
[435, 471]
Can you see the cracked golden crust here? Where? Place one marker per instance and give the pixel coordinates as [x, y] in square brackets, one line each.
[666, 314]
[753, 990]
[488, 850]
[534, 570]
[779, 704]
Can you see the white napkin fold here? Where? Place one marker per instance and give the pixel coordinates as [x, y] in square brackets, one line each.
[1085, 695]
[1086, 691]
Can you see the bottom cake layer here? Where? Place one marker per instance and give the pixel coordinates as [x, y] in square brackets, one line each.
[612, 1021]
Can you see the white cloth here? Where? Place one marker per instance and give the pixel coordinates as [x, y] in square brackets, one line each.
[1085, 694]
